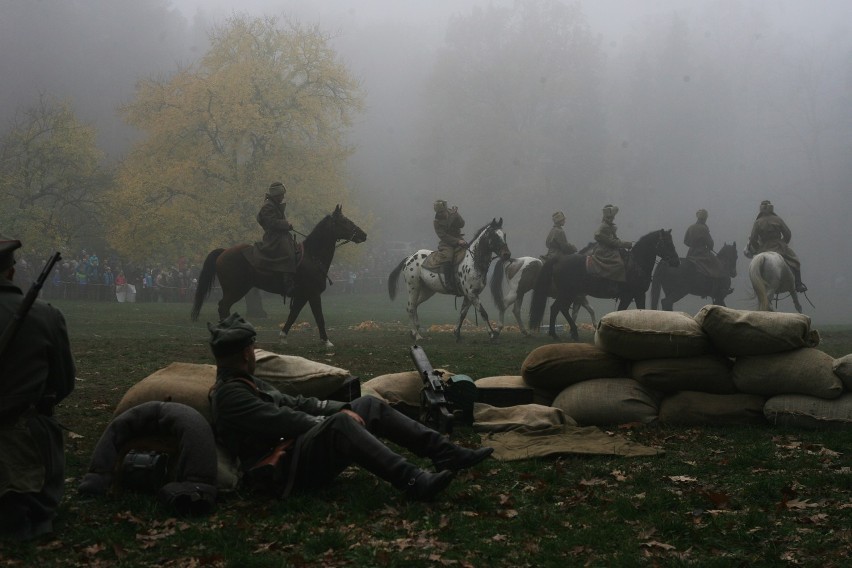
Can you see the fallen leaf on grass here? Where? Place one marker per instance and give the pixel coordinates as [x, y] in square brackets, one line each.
[800, 504]
[682, 478]
[657, 544]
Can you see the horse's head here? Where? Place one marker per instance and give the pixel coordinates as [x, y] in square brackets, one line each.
[344, 229]
[497, 239]
[727, 255]
[665, 248]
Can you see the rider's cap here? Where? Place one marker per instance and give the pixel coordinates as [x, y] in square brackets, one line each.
[7, 252]
[610, 210]
[701, 214]
[231, 335]
[766, 205]
[440, 205]
[277, 188]
[558, 217]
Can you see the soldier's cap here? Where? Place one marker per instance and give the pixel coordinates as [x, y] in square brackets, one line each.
[558, 216]
[765, 202]
[610, 210]
[701, 214]
[7, 252]
[277, 188]
[231, 335]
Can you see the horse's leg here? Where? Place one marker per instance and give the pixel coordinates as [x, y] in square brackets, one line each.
[796, 303]
[554, 311]
[477, 305]
[416, 296]
[516, 311]
[316, 308]
[296, 306]
[462, 314]
[564, 307]
[585, 303]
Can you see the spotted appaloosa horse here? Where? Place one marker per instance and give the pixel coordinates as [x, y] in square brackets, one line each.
[770, 275]
[510, 282]
[471, 274]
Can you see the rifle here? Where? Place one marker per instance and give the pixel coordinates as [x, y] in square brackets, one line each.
[29, 300]
[434, 406]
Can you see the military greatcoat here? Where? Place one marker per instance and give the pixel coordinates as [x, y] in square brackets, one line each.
[771, 234]
[448, 225]
[277, 252]
[557, 243]
[606, 260]
[700, 252]
[36, 372]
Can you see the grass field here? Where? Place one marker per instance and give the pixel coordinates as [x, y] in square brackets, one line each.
[745, 496]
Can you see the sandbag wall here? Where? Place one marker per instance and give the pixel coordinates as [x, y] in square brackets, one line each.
[723, 366]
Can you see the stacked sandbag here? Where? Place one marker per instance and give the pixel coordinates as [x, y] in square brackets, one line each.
[704, 373]
[690, 408]
[560, 365]
[295, 375]
[541, 396]
[400, 390]
[186, 383]
[601, 402]
[801, 411]
[842, 367]
[805, 371]
[745, 332]
[650, 334]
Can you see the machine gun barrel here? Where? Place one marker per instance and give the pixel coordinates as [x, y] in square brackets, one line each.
[434, 407]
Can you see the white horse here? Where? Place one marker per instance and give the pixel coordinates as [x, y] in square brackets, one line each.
[470, 274]
[770, 275]
[519, 276]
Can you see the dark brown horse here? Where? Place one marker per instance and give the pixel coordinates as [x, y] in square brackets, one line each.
[237, 276]
[568, 274]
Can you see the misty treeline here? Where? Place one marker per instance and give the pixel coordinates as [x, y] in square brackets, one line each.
[522, 108]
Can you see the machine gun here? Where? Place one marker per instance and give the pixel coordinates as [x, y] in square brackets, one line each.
[434, 407]
[29, 300]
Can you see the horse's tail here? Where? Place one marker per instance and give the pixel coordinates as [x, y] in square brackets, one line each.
[755, 274]
[497, 284]
[393, 279]
[656, 284]
[540, 293]
[205, 282]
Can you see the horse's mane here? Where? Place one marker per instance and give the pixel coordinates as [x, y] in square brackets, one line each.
[653, 235]
[480, 231]
[315, 233]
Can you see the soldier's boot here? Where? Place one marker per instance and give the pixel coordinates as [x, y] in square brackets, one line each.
[450, 277]
[389, 423]
[800, 286]
[289, 284]
[362, 447]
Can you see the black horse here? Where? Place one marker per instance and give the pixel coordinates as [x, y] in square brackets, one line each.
[686, 279]
[237, 276]
[569, 276]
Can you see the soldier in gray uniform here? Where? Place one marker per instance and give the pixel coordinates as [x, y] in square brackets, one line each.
[606, 261]
[36, 372]
[556, 241]
[277, 251]
[771, 234]
[448, 224]
[700, 244]
[251, 417]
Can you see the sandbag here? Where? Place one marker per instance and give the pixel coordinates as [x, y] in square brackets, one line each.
[651, 334]
[599, 402]
[745, 332]
[800, 411]
[706, 373]
[186, 383]
[299, 376]
[803, 371]
[400, 390]
[541, 396]
[554, 367]
[533, 416]
[689, 408]
[842, 367]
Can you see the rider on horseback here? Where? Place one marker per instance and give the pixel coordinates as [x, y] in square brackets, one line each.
[771, 234]
[700, 244]
[607, 261]
[448, 224]
[556, 242]
[277, 252]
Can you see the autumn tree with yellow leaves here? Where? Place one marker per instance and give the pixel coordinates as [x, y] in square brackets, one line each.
[51, 183]
[269, 101]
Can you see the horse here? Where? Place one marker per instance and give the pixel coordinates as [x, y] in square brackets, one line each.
[770, 275]
[519, 275]
[569, 275]
[470, 273]
[237, 276]
[678, 282]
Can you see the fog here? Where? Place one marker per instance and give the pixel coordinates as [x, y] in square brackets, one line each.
[660, 107]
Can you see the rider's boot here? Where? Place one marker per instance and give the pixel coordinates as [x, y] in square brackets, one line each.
[289, 284]
[800, 286]
[449, 277]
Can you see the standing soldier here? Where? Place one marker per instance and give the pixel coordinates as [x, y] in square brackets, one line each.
[606, 261]
[448, 224]
[36, 373]
[771, 234]
[277, 252]
[556, 242]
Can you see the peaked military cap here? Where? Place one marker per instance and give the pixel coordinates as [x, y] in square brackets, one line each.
[231, 335]
[7, 252]
[277, 188]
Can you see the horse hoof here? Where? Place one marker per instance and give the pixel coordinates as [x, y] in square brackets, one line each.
[282, 338]
[328, 344]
